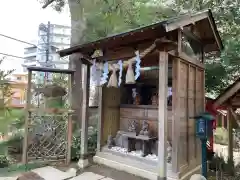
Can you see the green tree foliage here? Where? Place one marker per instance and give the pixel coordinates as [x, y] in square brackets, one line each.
[104, 17]
[5, 95]
[5, 88]
[220, 72]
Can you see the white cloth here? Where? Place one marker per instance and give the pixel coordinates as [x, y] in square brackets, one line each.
[130, 79]
[113, 79]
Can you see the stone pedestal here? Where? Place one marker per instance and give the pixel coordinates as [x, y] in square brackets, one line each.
[83, 163]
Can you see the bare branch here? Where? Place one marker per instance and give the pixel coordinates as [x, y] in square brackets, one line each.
[47, 3]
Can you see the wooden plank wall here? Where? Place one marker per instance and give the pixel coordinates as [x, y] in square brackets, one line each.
[111, 112]
[151, 115]
[200, 101]
[183, 115]
[190, 96]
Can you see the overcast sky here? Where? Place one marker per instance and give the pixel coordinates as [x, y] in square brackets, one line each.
[20, 19]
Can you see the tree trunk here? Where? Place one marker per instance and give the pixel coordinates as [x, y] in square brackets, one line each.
[78, 22]
[78, 26]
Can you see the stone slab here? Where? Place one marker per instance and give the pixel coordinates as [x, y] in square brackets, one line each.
[8, 178]
[30, 176]
[107, 179]
[88, 176]
[51, 173]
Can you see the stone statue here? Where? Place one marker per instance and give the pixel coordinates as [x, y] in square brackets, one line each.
[133, 126]
[110, 141]
[145, 129]
[119, 139]
[169, 152]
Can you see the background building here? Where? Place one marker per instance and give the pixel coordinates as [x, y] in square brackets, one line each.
[18, 83]
[51, 38]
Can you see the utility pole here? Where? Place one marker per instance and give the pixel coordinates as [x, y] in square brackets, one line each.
[47, 48]
[48, 44]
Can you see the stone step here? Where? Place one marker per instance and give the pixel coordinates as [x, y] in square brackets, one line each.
[89, 176]
[51, 173]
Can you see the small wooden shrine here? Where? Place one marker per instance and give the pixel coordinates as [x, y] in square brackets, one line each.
[151, 82]
[230, 99]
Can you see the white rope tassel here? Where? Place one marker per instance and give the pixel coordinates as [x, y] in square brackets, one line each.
[113, 78]
[130, 79]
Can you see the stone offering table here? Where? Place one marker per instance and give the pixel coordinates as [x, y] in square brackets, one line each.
[146, 142]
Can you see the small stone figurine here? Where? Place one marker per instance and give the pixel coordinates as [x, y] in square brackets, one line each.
[133, 126]
[145, 129]
[169, 152]
[110, 141]
[137, 99]
[155, 99]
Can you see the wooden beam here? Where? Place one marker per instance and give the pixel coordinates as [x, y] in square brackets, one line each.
[230, 135]
[53, 70]
[228, 94]
[184, 21]
[215, 34]
[162, 114]
[124, 53]
[187, 59]
[166, 45]
[85, 59]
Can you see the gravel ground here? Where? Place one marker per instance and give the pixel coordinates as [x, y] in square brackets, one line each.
[223, 150]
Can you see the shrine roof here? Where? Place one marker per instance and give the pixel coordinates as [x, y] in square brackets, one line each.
[230, 96]
[203, 21]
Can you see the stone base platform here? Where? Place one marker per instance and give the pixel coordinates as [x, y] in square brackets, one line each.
[132, 165]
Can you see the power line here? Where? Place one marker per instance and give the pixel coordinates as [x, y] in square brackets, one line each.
[15, 39]
[10, 55]
[18, 57]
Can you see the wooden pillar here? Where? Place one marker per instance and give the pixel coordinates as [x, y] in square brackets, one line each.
[27, 118]
[79, 104]
[175, 118]
[223, 121]
[77, 89]
[69, 127]
[162, 115]
[83, 162]
[99, 136]
[230, 135]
